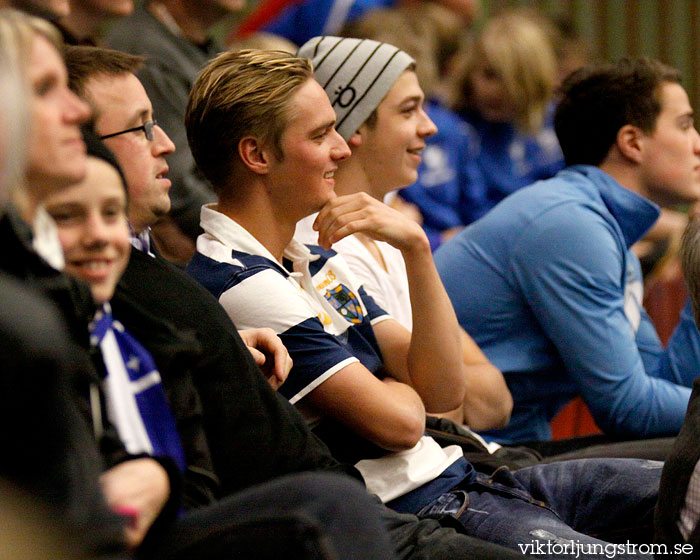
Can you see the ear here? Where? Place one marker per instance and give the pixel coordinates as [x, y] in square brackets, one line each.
[630, 142]
[356, 139]
[253, 155]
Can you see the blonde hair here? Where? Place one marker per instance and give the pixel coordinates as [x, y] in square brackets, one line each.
[238, 94]
[519, 50]
[407, 30]
[17, 33]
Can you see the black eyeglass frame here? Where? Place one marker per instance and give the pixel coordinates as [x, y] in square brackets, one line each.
[147, 128]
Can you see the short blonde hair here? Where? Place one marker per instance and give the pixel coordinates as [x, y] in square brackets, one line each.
[518, 48]
[17, 33]
[239, 94]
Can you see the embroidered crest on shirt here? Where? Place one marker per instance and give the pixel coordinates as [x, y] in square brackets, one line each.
[346, 303]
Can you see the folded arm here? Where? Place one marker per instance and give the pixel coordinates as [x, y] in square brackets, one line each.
[487, 400]
[429, 359]
[386, 412]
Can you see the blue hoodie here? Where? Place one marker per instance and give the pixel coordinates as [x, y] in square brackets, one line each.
[548, 288]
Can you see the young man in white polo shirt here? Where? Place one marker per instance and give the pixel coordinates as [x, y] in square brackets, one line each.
[280, 176]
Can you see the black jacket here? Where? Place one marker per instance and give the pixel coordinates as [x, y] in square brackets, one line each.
[76, 308]
[47, 446]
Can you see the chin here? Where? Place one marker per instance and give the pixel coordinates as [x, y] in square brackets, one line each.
[408, 179]
[329, 195]
[101, 295]
[319, 205]
[162, 211]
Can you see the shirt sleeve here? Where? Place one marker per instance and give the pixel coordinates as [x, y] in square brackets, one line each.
[573, 279]
[264, 298]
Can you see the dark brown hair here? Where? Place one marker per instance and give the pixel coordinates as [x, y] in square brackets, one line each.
[598, 100]
[84, 63]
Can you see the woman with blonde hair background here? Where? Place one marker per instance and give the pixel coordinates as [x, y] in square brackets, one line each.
[506, 93]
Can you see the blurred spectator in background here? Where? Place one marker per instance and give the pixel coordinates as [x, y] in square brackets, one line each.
[300, 21]
[570, 48]
[507, 85]
[83, 24]
[49, 9]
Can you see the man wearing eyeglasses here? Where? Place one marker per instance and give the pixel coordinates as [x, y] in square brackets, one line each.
[124, 120]
[145, 145]
[176, 38]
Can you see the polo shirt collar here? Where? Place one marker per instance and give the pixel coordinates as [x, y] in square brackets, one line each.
[231, 234]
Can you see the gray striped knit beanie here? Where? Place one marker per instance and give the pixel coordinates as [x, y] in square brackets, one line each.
[356, 74]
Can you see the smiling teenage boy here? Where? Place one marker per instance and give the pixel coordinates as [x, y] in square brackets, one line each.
[284, 172]
[354, 372]
[386, 153]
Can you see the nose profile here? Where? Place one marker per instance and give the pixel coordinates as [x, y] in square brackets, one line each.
[426, 126]
[95, 231]
[76, 111]
[162, 144]
[341, 150]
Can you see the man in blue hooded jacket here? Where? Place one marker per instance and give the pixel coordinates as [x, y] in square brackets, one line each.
[546, 283]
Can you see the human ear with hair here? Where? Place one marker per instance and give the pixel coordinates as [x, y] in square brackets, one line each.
[254, 155]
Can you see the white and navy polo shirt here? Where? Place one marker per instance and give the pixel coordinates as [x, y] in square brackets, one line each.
[311, 300]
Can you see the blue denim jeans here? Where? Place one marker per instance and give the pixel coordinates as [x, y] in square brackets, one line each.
[570, 509]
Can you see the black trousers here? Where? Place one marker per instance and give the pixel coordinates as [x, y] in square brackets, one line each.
[314, 516]
[309, 516]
